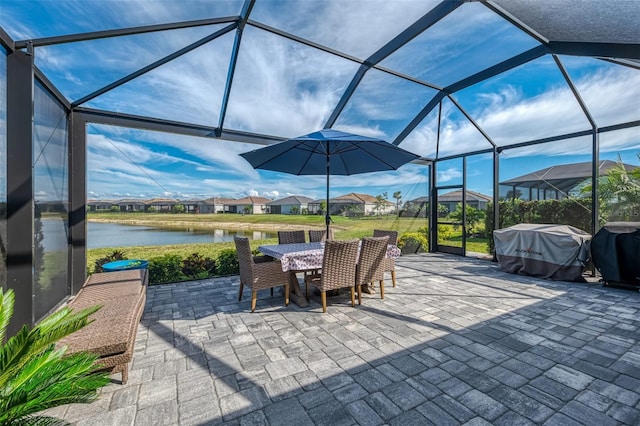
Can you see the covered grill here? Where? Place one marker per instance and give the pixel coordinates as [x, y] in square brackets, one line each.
[558, 252]
[615, 250]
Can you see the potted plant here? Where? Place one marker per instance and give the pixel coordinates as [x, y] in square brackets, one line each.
[412, 242]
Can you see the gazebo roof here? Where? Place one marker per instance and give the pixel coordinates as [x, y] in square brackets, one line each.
[457, 196]
[239, 70]
[562, 177]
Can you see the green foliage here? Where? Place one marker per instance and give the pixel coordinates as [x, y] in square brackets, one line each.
[444, 233]
[413, 242]
[227, 262]
[178, 208]
[171, 268]
[424, 231]
[113, 256]
[166, 269]
[619, 193]
[473, 216]
[353, 210]
[197, 266]
[34, 375]
[114, 209]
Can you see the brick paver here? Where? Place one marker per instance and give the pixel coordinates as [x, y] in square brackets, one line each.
[457, 341]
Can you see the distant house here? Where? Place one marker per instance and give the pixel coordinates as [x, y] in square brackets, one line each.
[130, 205]
[294, 204]
[161, 205]
[195, 206]
[555, 182]
[354, 203]
[99, 205]
[249, 205]
[418, 207]
[474, 199]
[216, 205]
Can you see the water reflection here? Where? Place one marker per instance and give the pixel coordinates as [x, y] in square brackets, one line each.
[101, 235]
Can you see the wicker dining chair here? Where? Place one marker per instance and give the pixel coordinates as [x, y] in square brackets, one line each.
[291, 237]
[317, 236]
[338, 270]
[259, 272]
[389, 265]
[370, 263]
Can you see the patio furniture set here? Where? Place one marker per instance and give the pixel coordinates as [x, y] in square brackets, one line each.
[328, 265]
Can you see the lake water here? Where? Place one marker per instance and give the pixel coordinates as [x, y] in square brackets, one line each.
[115, 235]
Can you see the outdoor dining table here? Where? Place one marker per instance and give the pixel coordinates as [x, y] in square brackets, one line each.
[301, 257]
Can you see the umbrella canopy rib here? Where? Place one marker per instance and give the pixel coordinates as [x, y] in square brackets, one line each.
[306, 161]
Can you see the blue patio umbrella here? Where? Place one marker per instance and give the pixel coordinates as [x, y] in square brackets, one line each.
[329, 152]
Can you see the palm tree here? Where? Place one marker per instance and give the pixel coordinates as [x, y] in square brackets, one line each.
[619, 192]
[472, 214]
[35, 375]
[379, 202]
[398, 196]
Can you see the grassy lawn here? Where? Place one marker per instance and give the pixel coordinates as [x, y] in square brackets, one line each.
[477, 245]
[344, 228]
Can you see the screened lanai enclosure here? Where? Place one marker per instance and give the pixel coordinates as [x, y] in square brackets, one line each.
[118, 99]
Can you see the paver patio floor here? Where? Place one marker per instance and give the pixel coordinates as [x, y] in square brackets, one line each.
[456, 342]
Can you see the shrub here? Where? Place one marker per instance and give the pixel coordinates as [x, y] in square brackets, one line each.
[424, 231]
[444, 233]
[115, 255]
[166, 269]
[197, 266]
[227, 262]
[412, 242]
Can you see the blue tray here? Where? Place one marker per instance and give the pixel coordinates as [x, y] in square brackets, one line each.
[122, 265]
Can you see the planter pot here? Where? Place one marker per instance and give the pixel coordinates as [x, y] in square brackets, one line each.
[410, 248]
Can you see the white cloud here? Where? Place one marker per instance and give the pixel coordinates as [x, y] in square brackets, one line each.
[271, 194]
[358, 28]
[509, 116]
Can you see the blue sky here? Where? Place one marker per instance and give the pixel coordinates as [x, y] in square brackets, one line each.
[285, 89]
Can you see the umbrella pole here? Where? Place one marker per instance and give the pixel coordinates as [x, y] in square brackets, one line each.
[327, 217]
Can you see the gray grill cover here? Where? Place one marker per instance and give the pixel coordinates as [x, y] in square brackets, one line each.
[557, 252]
